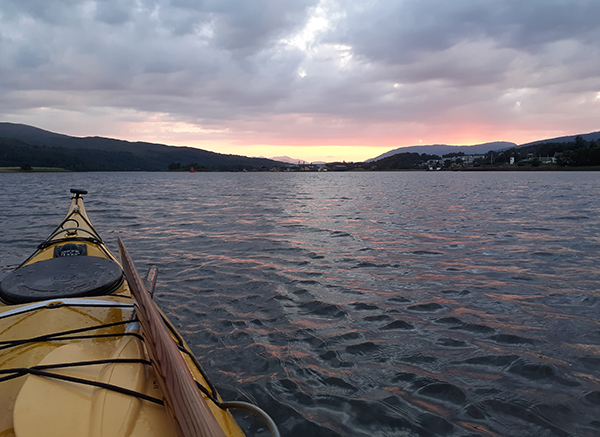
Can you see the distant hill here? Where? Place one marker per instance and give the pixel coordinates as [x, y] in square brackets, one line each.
[481, 149]
[22, 144]
[592, 136]
[287, 159]
[443, 149]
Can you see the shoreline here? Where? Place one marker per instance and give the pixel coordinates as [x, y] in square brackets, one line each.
[362, 170]
[33, 170]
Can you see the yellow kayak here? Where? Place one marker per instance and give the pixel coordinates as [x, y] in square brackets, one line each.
[84, 351]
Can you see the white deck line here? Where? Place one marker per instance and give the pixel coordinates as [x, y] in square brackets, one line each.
[86, 302]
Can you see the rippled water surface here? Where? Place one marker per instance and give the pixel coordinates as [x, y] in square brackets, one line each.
[363, 304]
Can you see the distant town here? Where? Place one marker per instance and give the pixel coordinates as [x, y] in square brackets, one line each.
[551, 155]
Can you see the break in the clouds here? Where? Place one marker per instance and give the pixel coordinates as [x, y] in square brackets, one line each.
[270, 76]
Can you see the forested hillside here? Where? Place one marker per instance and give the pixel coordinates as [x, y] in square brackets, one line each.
[23, 146]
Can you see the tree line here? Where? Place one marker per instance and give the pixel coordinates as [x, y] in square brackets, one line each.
[577, 153]
[21, 154]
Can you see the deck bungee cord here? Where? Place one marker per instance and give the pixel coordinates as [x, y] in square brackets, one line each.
[42, 371]
[67, 335]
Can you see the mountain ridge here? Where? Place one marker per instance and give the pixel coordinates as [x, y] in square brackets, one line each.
[595, 136]
[22, 143]
[443, 149]
[477, 149]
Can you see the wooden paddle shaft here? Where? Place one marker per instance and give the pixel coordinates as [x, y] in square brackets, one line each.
[183, 401]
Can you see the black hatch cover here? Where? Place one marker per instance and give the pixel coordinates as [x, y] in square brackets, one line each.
[73, 276]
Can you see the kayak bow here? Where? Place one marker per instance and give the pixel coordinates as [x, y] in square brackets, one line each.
[74, 361]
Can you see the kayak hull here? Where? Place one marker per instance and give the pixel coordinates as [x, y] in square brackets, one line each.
[73, 360]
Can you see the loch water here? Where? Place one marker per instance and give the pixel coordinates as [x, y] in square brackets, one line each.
[363, 304]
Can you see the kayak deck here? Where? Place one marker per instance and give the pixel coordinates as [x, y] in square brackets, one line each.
[73, 358]
[43, 405]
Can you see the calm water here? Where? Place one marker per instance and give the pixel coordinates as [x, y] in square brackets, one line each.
[363, 304]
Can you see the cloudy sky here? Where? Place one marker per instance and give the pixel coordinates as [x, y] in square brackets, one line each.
[311, 79]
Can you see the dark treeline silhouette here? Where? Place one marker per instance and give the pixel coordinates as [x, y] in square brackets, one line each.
[18, 153]
[578, 153]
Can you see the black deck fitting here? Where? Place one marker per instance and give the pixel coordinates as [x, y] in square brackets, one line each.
[78, 192]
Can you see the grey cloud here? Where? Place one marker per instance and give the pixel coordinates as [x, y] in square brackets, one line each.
[401, 31]
[56, 12]
[254, 24]
[218, 61]
[461, 44]
[233, 24]
[114, 12]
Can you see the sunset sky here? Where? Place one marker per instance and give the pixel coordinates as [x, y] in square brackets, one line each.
[315, 80]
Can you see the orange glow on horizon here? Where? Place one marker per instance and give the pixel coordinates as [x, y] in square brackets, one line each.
[312, 141]
[309, 139]
[352, 151]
